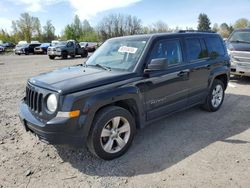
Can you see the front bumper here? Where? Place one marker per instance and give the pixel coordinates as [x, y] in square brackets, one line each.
[54, 53]
[21, 51]
[61, 131]
[240, 68]
[40, 51]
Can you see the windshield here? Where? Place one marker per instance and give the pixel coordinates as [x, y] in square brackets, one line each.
[45, 44]
[121, 54]
[83, 43]
[61, 43]
[22, 45]
[240, 36]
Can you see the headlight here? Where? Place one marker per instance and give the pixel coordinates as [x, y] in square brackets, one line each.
[52, 103]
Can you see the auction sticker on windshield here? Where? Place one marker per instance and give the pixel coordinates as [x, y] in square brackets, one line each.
[127, 49]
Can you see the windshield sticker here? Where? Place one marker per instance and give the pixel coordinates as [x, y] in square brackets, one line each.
[127, 49]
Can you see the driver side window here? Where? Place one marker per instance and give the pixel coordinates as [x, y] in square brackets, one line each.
[169, 49]
[70, 44]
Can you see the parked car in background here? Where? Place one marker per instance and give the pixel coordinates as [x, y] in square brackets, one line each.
[83, 44]
[2, 49]
[89, 46]
[22, 42]
[54, 42]
[128, 84]
[65, 48]
[35, 42]
[8, 45]
[25, 49]
[42, 49]
[238, 46]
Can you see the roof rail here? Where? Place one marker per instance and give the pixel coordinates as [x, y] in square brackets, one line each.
[194, 31]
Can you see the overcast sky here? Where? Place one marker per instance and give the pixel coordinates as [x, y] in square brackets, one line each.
[174, 13]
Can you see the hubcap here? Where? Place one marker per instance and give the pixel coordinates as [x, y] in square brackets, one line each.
[217, 96]
[115, 134]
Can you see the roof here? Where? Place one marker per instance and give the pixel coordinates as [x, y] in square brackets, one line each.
[178, 33]
[244, 29]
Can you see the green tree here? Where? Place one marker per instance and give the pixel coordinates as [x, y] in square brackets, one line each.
[204, 22]
[69, 32]
[215, 27]
[37, 30]
[26, 27]
[80, 31]
[115, 25]
[48, 32]
[242, 23]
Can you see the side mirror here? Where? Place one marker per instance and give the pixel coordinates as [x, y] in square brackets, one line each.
[158, 64]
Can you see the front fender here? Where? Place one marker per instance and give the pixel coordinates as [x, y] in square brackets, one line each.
[94, 103]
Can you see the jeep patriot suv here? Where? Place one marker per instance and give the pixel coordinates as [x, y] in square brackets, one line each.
[128, 83]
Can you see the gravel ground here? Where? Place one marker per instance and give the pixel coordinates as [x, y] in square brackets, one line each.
[193, 148]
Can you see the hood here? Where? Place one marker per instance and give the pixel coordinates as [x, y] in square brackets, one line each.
[58, 46]
[78, 78]
[20, 47]
[238, 46]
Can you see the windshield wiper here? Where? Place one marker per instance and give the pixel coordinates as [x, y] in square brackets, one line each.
[101, 66]
[239, 41]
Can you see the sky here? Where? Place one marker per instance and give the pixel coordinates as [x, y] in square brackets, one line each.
[175, 13]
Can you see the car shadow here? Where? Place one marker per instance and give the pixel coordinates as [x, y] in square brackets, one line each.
[243, 80]
[169, 141]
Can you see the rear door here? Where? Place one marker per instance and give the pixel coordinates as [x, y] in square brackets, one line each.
[199, 65]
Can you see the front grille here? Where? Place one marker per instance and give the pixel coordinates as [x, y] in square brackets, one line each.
[241, 56]
[51, 49]
[34, 100]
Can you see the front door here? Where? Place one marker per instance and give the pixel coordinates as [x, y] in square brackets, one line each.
[166, 91]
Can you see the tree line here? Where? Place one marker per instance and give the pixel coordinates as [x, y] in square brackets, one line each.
[29, 28]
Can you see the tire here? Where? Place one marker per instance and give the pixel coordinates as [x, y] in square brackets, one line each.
[51, 57]
[110, 120]
[64, 55]
[215, 96]
[85, 54]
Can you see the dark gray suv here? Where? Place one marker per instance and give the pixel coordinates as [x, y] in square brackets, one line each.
[128, 83]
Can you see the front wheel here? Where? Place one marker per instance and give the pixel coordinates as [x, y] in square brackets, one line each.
[215, 96]
[64, 55]
[112, 133]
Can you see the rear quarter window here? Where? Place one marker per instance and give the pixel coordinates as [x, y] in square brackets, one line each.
[214, 46]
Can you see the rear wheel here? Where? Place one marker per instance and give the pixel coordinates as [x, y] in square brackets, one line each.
[51, 57]
[84, 54]
[112, 133]
[215, 96]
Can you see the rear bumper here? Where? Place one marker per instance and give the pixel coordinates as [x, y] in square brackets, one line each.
[52, 132]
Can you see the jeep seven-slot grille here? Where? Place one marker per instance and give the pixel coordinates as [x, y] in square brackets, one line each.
[34, 100]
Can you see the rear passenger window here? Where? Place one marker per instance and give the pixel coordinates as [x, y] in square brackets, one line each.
[194, 49]
[214, 46]
[169, 49]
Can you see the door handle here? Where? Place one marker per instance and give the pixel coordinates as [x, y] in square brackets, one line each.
[208, 66]
[183, 73]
